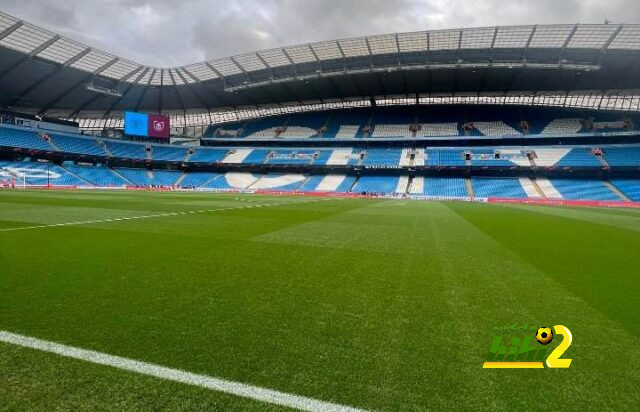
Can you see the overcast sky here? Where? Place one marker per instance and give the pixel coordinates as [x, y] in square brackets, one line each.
[176, 32]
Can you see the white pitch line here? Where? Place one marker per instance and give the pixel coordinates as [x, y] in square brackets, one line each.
[118, 219]
[220, 385]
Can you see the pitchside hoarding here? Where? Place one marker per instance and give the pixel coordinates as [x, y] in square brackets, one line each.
[146, 125]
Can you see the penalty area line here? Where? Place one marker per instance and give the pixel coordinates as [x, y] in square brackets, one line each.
[176, 375]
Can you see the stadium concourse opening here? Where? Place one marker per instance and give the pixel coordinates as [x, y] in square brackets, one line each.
[328, 226]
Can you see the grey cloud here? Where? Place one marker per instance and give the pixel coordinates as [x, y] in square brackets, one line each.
[173, 32]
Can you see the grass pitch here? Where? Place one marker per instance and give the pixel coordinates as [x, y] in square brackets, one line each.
[376, 304]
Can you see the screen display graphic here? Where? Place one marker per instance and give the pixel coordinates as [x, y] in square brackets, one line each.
[146, 125]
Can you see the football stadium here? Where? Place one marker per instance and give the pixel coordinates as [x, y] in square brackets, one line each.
[399, 221]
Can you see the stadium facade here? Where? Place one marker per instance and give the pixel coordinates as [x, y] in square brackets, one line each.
[541, 111]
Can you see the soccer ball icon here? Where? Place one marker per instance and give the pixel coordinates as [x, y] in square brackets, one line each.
[544, 335]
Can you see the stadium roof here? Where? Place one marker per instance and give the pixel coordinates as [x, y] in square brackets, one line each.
[44, 72]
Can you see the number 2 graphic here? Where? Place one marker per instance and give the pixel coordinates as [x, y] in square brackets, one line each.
[554, 361]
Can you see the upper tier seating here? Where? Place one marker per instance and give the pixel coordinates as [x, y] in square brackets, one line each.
[126, 150]
[622, 156]
[267, 133]
[351, 120]
[208, 155]
[487, 157]
[445, 157]
[384, 121]
[495, 128]
[69, 144]
[392, 130]
[347, 132]
[438, 129]
[382, 157]
[563, 126]
[257, 156]
[298, 132]
[171, 154]
[295, 156]
[23, 139]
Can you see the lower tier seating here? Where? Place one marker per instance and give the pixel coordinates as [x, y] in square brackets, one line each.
[498, 187]
[42, 173]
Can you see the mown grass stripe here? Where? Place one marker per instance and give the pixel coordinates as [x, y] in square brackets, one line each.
[157, 215]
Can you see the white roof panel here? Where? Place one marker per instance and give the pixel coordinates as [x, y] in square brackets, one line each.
[173, 75]
[225, 67]
[550, 36]
[592, 36]
[156, 80]
[6, 21]
[477, 38]
[628, 38]
[274, 57]
[145, 78]
[120, 69]
[327, 50]
[354, 47]
[300, 54]
[413, 42]
[26, 38]
[384, 44]
[444, 40]
[91, 61]
[185, 77]
[514, 37]
[201, 72]
[62, 50]
[250, 62]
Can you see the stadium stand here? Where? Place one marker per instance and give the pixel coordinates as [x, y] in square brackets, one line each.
[202, 155]
[562, 126]
[73, 144]
[622, 156]
[97, 175]
[196, 179]
[445, 157]
[40, 174]
[438, 129]
[376, 185]
[170, 154]
[382, 157]
[396, 123]
[583, 189]
[498, 187]
[629, 187]
[444, 187]
[23, 139]
[495, 128]
[126, 150]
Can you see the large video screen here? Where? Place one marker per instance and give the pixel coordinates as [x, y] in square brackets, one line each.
[146, 125]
